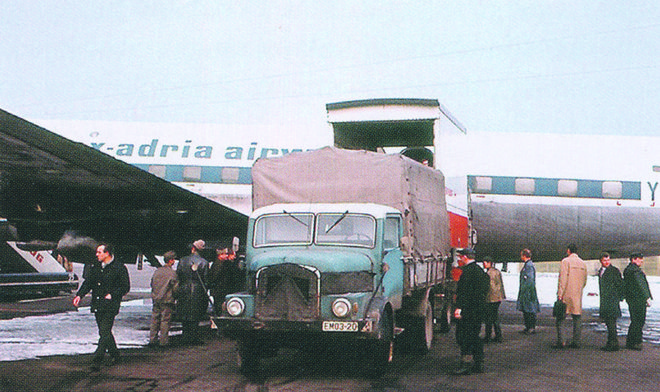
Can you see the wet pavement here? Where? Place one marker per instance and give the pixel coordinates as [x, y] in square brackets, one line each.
[48, 348]
[520, 363]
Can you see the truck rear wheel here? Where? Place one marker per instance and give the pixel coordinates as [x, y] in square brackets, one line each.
[424, 338]
[444, 320]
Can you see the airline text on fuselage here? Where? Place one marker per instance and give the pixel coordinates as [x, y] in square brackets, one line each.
[653, 187]
[189, 150]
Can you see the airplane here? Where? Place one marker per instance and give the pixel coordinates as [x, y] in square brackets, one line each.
[506, 191]
[52, 188]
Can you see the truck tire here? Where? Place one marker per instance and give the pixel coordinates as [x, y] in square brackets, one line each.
[444, 321]
[424, 331]
[382, 350]
[417, 336]
[248, 358]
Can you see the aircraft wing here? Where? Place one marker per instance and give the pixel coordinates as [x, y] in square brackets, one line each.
[50, 184]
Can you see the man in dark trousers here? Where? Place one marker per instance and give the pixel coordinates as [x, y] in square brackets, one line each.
[192, 302]
[638, 296]
[528, 301]
[108, 281]
[494, 298]
[471, 291]
[611, 293]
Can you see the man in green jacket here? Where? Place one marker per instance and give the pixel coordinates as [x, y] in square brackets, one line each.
[638, 295]
[164, 286]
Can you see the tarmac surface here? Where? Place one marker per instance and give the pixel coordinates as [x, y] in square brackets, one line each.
[519, 363]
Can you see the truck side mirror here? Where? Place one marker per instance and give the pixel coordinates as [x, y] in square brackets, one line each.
[235, 244]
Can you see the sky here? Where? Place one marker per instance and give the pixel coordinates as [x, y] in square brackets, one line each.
[588, 67]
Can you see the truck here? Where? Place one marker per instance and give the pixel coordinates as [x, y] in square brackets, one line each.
[344, 247]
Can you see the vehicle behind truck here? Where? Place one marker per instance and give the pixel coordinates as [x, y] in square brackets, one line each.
[345, 248]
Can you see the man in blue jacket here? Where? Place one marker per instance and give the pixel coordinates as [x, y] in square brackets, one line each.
[108, 281]
[528, 301]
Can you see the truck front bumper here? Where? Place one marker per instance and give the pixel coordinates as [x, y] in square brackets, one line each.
[238, 328]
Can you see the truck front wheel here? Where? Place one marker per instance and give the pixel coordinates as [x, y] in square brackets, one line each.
[248, 358]
[383, 348]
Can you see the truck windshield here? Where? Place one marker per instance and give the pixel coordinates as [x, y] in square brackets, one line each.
[288, 228]
[345, 229]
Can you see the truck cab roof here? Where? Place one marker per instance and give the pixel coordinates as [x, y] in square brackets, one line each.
[375, 210]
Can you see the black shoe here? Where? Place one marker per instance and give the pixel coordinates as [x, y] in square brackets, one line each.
[559, 345]
[498, 339]
[573, 345]
[636, 347]
[478, 368]
[95, 367]
[610, 348]
[114, 361]
[464, 370]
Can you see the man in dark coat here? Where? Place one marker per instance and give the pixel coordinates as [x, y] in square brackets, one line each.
[223, 276]
[471, 291]
[528, 301]
[192, 302]
[638, 296]
[611, 293]
[108, 281]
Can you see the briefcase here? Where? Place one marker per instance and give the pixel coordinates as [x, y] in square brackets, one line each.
[559, 310]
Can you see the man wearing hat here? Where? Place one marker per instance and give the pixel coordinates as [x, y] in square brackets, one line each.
[471, 291]
[164, 287]
[193, 300]
[638, 296]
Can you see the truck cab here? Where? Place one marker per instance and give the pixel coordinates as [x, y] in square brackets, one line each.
[316, 271]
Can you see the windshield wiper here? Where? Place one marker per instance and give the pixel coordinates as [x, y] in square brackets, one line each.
[337, 222]
[296, 219]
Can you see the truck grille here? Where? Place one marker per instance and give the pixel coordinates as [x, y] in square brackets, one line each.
[287, 292]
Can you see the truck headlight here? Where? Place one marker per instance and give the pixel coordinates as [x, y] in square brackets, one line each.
[235, 306]
[341, 307]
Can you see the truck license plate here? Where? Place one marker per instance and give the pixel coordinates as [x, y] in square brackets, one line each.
[340, 326]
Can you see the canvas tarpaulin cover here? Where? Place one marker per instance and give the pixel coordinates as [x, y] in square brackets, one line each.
[333, 175]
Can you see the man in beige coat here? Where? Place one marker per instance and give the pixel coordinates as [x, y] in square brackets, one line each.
[572, 279]
[494, 298]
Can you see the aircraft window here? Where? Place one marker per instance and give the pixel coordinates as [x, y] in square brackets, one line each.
[157, 170]
[192, 173]
[567, 188]
[230, 175]
[524, 186]
[483, 184]
[612, 189]
[656, 169]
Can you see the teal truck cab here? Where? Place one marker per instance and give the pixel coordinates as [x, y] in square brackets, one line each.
[335, 262]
